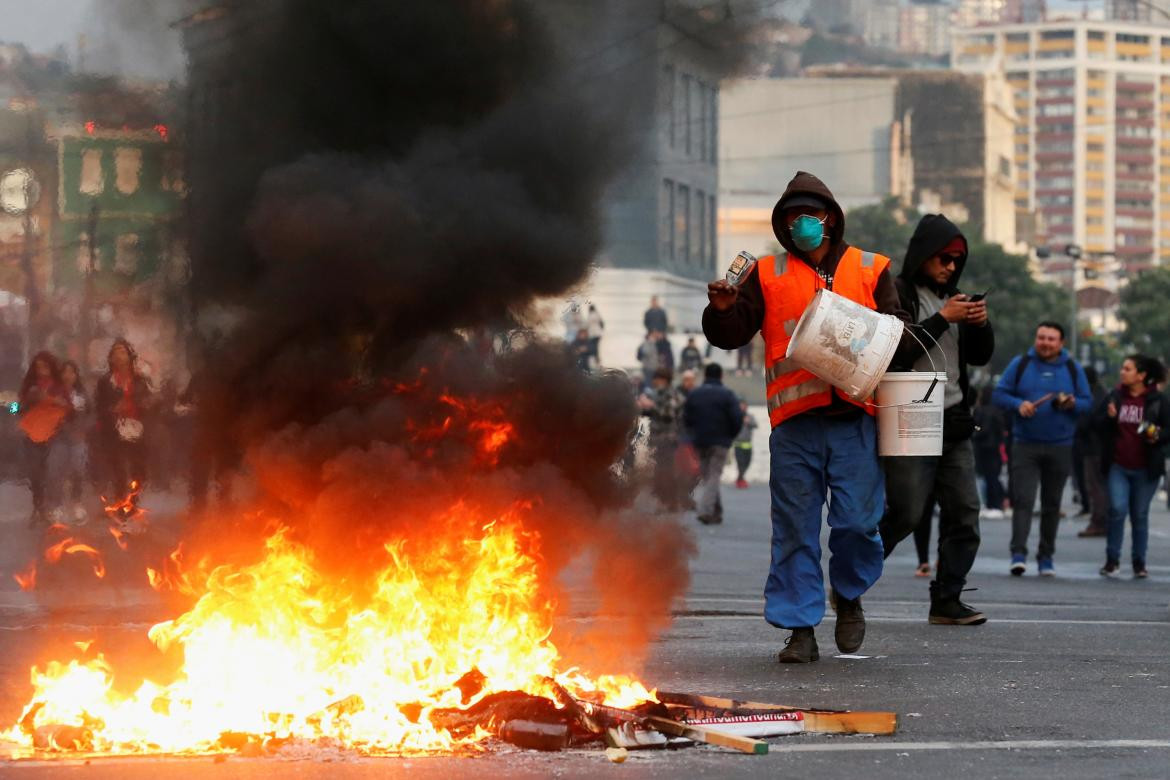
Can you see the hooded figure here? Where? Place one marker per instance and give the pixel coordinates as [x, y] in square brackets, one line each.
[958, 332]
[822, 441]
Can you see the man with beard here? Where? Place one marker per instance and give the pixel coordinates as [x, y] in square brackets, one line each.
[822, 441]
[928, 289]
[1046, 390]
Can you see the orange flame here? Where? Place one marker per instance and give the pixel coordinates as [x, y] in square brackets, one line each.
[27, 579]
[277, 648]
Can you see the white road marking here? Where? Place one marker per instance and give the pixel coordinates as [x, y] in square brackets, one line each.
[1007, 744]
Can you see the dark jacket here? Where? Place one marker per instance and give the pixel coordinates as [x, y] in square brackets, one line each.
[107, 395]
[991, 430]
[737, 326]
[712, 415]
[1157, 411]
[976, 343]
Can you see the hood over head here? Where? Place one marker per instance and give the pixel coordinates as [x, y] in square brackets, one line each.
[933, 234]
[803, 186]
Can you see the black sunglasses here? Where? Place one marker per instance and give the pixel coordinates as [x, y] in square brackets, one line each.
[951, 259]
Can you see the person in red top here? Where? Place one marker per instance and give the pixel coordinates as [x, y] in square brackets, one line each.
[42, 408]
[122, 400]
[1134, 420]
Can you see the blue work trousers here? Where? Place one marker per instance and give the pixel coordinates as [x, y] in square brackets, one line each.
[814, 456]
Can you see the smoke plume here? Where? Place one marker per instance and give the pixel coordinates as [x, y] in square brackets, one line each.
[370, 179]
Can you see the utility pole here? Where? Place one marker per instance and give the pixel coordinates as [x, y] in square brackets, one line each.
[1073, 253]
[86, 334]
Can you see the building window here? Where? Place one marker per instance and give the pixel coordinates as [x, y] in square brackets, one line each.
[699, 228]
[93, 181]
[666, 90]
[128, 169]
[682, 214]
[713, 115]
[711, 232]
[686, 113]
[701, 119]
[126, 254]
[172, 173]
[666, 219]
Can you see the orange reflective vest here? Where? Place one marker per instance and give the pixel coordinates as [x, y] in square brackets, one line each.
[789, 286]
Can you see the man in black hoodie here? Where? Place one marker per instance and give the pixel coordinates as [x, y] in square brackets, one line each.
[928, 289]
[822, 441]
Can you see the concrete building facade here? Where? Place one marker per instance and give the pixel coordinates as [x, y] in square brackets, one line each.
[765, 136]
[1092, 150]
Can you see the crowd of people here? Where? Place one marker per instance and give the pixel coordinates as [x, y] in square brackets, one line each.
[823, 441]
[113, 435]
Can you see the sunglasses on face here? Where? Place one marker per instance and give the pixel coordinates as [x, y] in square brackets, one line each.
[949, 259]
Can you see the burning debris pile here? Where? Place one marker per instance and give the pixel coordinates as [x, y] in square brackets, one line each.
[382, 185]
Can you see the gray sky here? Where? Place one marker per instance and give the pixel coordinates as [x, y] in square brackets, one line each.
[43, 24]
[124, 37]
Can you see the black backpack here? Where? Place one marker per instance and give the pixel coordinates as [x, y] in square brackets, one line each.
[1071, 365]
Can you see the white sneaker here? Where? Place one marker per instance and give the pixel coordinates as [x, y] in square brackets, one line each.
[991, 514]
[79, 515]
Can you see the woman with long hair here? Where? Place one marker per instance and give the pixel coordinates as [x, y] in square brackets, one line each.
[71, 444]
[1134, 420]
[42, 409]
[122, 402]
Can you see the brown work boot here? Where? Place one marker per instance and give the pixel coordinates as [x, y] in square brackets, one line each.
[800, 647]
[850, 630]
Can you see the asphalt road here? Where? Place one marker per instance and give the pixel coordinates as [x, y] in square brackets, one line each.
[1069, 678]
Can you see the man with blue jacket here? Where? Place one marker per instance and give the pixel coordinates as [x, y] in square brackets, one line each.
[1046, 390]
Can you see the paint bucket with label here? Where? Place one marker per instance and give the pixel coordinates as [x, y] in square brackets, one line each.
[844, 343]
[910, 413]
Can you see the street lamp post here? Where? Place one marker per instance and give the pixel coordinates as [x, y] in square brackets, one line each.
[1073, 253]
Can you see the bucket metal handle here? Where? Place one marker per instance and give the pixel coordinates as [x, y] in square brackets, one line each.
[934, 369]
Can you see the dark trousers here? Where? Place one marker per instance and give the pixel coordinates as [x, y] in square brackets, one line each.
[743, 459]
[989, 465]
[36, 465]
[1095, 487]
[125, 464]
[1038, 466]
[913, 484]
[665, 472]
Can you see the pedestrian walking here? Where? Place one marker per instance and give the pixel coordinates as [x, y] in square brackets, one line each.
[1087, 445]
[42, 407]
[922, 541]
[744, 360]
[122, 402]
[713, 418]
[650, 355]
[928, 287]
[582, 349]
[1044, 390]
[70, 451]
[654, 318]
[596, 329]
[988, 442]
[743, 446]
[822, 442]
[690, 358]
[1134, 421]
[663, 406]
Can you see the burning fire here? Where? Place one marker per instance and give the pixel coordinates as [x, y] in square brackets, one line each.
[278, 650]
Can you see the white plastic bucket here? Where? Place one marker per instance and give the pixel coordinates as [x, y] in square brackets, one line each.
[844, 343]
[910, 413]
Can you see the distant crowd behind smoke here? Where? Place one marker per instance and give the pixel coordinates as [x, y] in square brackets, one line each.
[370, 184]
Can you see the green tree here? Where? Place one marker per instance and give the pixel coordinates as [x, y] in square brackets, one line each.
[1145, 310]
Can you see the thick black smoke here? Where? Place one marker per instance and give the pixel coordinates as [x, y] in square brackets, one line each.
[368, 178]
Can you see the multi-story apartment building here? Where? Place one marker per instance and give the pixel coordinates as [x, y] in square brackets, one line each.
[924, 27]
[1157, 11]
[975, 12]
[1092, 148]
